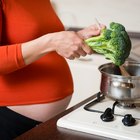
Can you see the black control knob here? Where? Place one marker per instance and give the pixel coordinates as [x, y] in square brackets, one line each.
[128, 120]
[107, 116]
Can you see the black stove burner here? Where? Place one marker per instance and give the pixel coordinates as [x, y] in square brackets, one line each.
[128, 120]
[107, 116]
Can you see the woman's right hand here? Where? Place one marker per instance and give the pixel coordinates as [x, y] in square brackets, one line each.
[69, 44]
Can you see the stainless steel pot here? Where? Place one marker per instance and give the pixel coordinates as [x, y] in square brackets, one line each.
[118, 87]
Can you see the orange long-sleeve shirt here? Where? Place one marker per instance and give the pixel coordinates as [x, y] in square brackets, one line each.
[46, 80]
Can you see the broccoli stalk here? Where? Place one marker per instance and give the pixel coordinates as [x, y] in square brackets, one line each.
[113, 43]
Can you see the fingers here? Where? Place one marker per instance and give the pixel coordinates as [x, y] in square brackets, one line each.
[70, 45]
[87, 49]
[90, 31]
[82, 50]
[76, 53]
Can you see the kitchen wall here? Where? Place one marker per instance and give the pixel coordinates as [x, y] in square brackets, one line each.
[81, 13]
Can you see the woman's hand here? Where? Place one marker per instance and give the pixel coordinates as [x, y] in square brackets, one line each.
[90, 31]
[69, 44]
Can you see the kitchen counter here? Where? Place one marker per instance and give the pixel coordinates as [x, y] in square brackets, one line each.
[50, 131]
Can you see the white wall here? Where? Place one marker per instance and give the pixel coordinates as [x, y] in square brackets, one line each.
[81, 13]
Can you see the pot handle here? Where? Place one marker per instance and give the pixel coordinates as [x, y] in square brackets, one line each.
[122, 84]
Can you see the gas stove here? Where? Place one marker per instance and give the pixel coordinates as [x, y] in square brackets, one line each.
[105, 117]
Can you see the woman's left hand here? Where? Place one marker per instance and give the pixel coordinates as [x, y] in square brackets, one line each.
[90, 31]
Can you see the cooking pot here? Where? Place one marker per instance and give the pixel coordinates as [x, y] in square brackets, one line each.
[118, 87]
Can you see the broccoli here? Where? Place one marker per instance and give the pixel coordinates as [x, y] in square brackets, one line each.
[114, 43]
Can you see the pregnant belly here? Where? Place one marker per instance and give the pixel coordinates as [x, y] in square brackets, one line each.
[42, 112]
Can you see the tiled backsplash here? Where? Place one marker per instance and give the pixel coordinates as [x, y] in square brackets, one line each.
[81, 13]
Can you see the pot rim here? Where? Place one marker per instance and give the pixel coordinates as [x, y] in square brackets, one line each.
[131, 63]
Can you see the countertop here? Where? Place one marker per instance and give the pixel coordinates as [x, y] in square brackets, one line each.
[50, 131]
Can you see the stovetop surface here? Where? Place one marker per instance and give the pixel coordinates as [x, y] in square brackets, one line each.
[89, 121]
[118, 111]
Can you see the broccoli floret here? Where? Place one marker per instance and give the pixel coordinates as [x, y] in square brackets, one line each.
[116, 26]
[113, 43]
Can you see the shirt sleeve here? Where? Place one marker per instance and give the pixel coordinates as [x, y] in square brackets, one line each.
[11, 58]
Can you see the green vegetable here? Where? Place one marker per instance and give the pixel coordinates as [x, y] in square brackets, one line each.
[114, 43]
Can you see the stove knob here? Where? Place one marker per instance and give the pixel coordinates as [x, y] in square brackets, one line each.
[128, 120]
[107, 116]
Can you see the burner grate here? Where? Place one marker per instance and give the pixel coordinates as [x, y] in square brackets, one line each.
[100, 98]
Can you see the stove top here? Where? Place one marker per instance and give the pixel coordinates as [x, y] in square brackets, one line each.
[102, 116]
